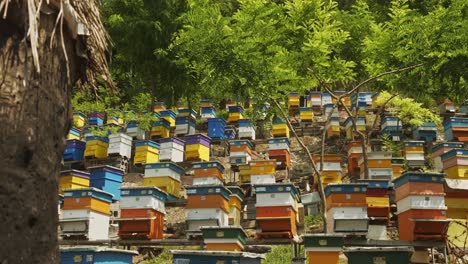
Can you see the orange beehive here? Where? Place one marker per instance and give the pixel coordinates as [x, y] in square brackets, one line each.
[208, 201]
[422, 224]
[419, 188]
[141, 224]
[346, 200]
[90, 203]
[240, 148]
[282, 157]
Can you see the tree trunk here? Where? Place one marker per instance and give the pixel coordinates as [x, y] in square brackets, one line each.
[35, 115]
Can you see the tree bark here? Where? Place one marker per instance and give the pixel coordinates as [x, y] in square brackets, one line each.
[35, 114]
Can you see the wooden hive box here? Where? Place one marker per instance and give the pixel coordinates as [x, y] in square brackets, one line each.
[146, 151]
[184, 112]
[235, 113]
[145, 223]
[74, 133]
[375, 255]
[107, 178]
[423, 224]
[378, 201]
[377, 160]
[79, 119]
[96, 147]
[96, 119]
[74, 150]
[418, 183]
[240, 146]
[427, 132]
[197, 147]
[397, 167]
[169, 116]
[88, 199]
[306, 114]
[168, 184]
[244, 173]
[134, 131]
[216, 128]
[120, 144]
[172, 149]
[456, 128]
[262, 167]
[73, 179]
[164, 169]
[346, 194]
[278, 143]
[235, 208]
[160, 129]
[360, 126]
[216, 196]
[199, 217]
[207, 112]
[230, 238]
[246, 129]
[208, 173]
[282, 157]
[96, 255]
[455, 163]
[323, 248]
[348, 219]
[185, 125]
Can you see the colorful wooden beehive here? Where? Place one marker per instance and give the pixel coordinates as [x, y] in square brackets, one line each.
[397, 167]
[235, 205]
[74, 150]
[306, 114]
[215, 257]
[197, 147]
[282, 157]
[96, 255]
[207, 206]
[115, 120]
[95, 119]
[280, 128]
[421, 207]
[332, 171]
[276, 210]
[120, 144]
[85, 214]
[378, 208]
[207, 112]
[427, 132]
[74, 133]
[230, 132]
[96, 147]
[73, 179]
[326, 99]
[208, 173]
[262, 171]
[246, 129]
[456, 199]
[354, 149]
[165, 176]
[455, 163]
[361, 102]
[185, 125]
[392, 127]
[183, 112]
[79, 119]
[323, 248]
[244, 173]
[328, 110]
[333, 127]
[379, 165]
[316, 101]
[240, 152]
[441, 148]
[169, 116]
[294, 102]
[216, 128]
[107, 178]
[347, 208]
[142, 212]
[134, 131]
[456, 128]
[171, 149]
[360, 126]
[235, 113]
[146, 151]
[413, 152]
[228, 238]
[160, 129]
[379, 255]
[158, 107]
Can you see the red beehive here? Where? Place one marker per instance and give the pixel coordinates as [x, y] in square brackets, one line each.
[141, 224]
[422, 224]
[282, 157]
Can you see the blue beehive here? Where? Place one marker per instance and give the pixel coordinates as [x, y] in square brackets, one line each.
[96, 255]
[230, 132]
[74, 150]
[216, 128]
[208, 110]
[107, 178]
[454, 122]
[187, 112]
[418, 177]
[427, 132]
[215, 257]
[96, 119]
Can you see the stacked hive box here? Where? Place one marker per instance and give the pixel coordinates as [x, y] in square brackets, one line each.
[229, 238]
[96, 119]
[79, 119]
[240, 152]
[160, 129]
[74, 133]
[96, 255]
[96, 147]
[135, 131]
[146, 151]
[207, 112]
[244, 173]
[276, 210]
[333, 127]
[316, 101]
[362, 101]
[158, 107]
[331, 172]
[216, 128]
[172, 149]
[360, 126]
[378, 208]
[414, 153]
[120, 144]
[392, 127]
[293, 102]
[397, 167]
[235, 204]
[377, 255]
[206, 206]
[183, 112]
[326, 99]
[421, 207]
[208, 173]
[379, 165]
[165, 176]
[427, 132]
[246, 129]
[169, 116]
[347, 208]
[74, 150]
[197, 147]
[278, 149]
[262, 171]
[86, 214]
[73, 179]
[323, 248]
[114, 120]
[354, 149]
[230, 132]
[108, 179]
[456, 128]
[280, 128]
[455, 163]
[440, 149]
[185, 125]
[142, 213]
[235, 113]
[306, 115]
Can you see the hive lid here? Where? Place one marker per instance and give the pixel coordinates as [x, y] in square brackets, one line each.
[456, 184]
[97, 249]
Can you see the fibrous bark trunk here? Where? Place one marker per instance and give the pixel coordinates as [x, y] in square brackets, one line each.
[35, 116]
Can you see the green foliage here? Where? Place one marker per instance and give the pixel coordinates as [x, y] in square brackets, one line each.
[278, 255]
[164, 258]
[312, 220]
[391, 146]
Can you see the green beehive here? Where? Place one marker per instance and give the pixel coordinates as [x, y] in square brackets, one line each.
[323, 240]
[228, 238]
[379, 255]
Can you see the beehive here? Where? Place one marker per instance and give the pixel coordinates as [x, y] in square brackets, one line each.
[230, 132]
[323, 248]
[79, 119]
[120, 144]
[333, 127]
[456, 128]
[73, 179]
[278, 149]
[160, 129]
[215, 257]
[397, 167]
[107, 178]
[185, 125]
[74, 133]
[229, 238]
[142, 213]
[456, 200]
[440, 149]
[74, 150]
[96, 255]
[206, 103]
[379, 165]
[184, 112]
[96, 147]
[165, 176]
[208, 173]
[426, 131]
[96, 119]
[293, 100]
[216, 128]
[171, 149]
[235, 204]
[235, 113]
[280, 128]
[306, 114]
[354, 149]
[374, 255]
[134, 131]
[159, 106]
[331, 172]
[244, 173]
[455, 163]
[246, 129]
[207, 112]
[240, 152]
[169, 116]
[197, 147]
[360, 126]
[392, 127]
[316, 101]
[262, 171]
[378, 201]
[146, 151]
[413, 152]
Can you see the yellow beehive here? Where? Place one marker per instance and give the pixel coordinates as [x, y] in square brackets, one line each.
[72, 136]
[160, 131]
[197, 152]
[457, 171]
[261, 167]
[170, 119]
[146, 152]
[413, 150]
[96, 148]
[235, 201]
[79, 120]
[280, 130]
[234, 117]
[306, 116]
[165, 183]
[294, 100]
[378, 201]
[73, 180]
[117, 121]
